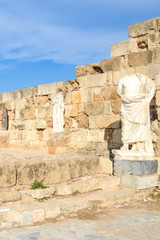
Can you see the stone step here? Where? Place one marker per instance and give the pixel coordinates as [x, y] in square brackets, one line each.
[77, 186]
[19, 167]
[18, 214]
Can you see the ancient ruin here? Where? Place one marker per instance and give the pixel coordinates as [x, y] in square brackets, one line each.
[76, 124]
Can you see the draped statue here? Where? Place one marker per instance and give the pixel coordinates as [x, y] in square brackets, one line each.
[136, 91]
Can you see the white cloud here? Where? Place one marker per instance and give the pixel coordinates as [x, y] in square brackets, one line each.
[28, 35]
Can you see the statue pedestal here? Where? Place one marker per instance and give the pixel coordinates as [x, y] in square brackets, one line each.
[136, 172]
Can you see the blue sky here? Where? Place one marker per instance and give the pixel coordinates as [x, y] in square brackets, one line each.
[42, 41]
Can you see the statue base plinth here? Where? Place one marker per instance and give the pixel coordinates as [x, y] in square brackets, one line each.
[136, 172]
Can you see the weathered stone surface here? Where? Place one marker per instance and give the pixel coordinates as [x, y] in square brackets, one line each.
[10, 96]
[138, 182]
[158, 98]
[83, 121]
[142, 28]
[106, 165]
[4, 136]
[50, 88]
[119, 49]
[76, 97]
[156, 55]
[108, 121]
[63, 189]
[153, 40]
[116, 106]
[139, 59]
[113, 64]
[96, 135]
[95, 108]
[40, 193]
[10, 196]
[7, 174]
[85, 166]
[85, 70]
[138, 168]
[28, 173]
[56, 172]
[96, 80]
[38, 215]
[29, 92]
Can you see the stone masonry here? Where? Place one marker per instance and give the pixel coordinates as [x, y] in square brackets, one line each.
[91, 105]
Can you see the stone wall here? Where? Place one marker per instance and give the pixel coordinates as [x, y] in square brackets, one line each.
[91, 106]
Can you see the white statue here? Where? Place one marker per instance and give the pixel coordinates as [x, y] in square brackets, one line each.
[58, 113]
[136, 92]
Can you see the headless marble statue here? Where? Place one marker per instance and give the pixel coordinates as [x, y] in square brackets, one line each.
[136, 92]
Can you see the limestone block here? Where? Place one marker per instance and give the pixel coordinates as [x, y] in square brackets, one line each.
[86, 166]
[10, 196]
[7, 174]
[70, 86]
[140, 59]
[4, 136]
[96, 80]
[85, 70]
[91, 122]
[80, 109]
[108, 108]
[44, 112]
[14, 134]
[28, 113]
[158, 81]
[153, 40]
[82, 121]
[113, 64]
[158, 113]
[38, 215]
[96, 94]
[67, 111]
[76, 97]
[156, 55]
[40, 193]
[96, 135]
[10, 96]
[107, 121]
[158, 98]
[108, 93]
[155, 70]
[18, 104]
[30, 135]
[80, 187]
[74, 110]
[28, 173]
[68, 98]
[29, 92]
[40, 124]
[120, 49]
[42, 101]
[109, 78]
[142, 28]
[50, 88]
[116, 106]
[12, 216]
[63, 189]
[86, 95]
[52, 212]
[106, 165]
[56, 172]
[95, 108]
